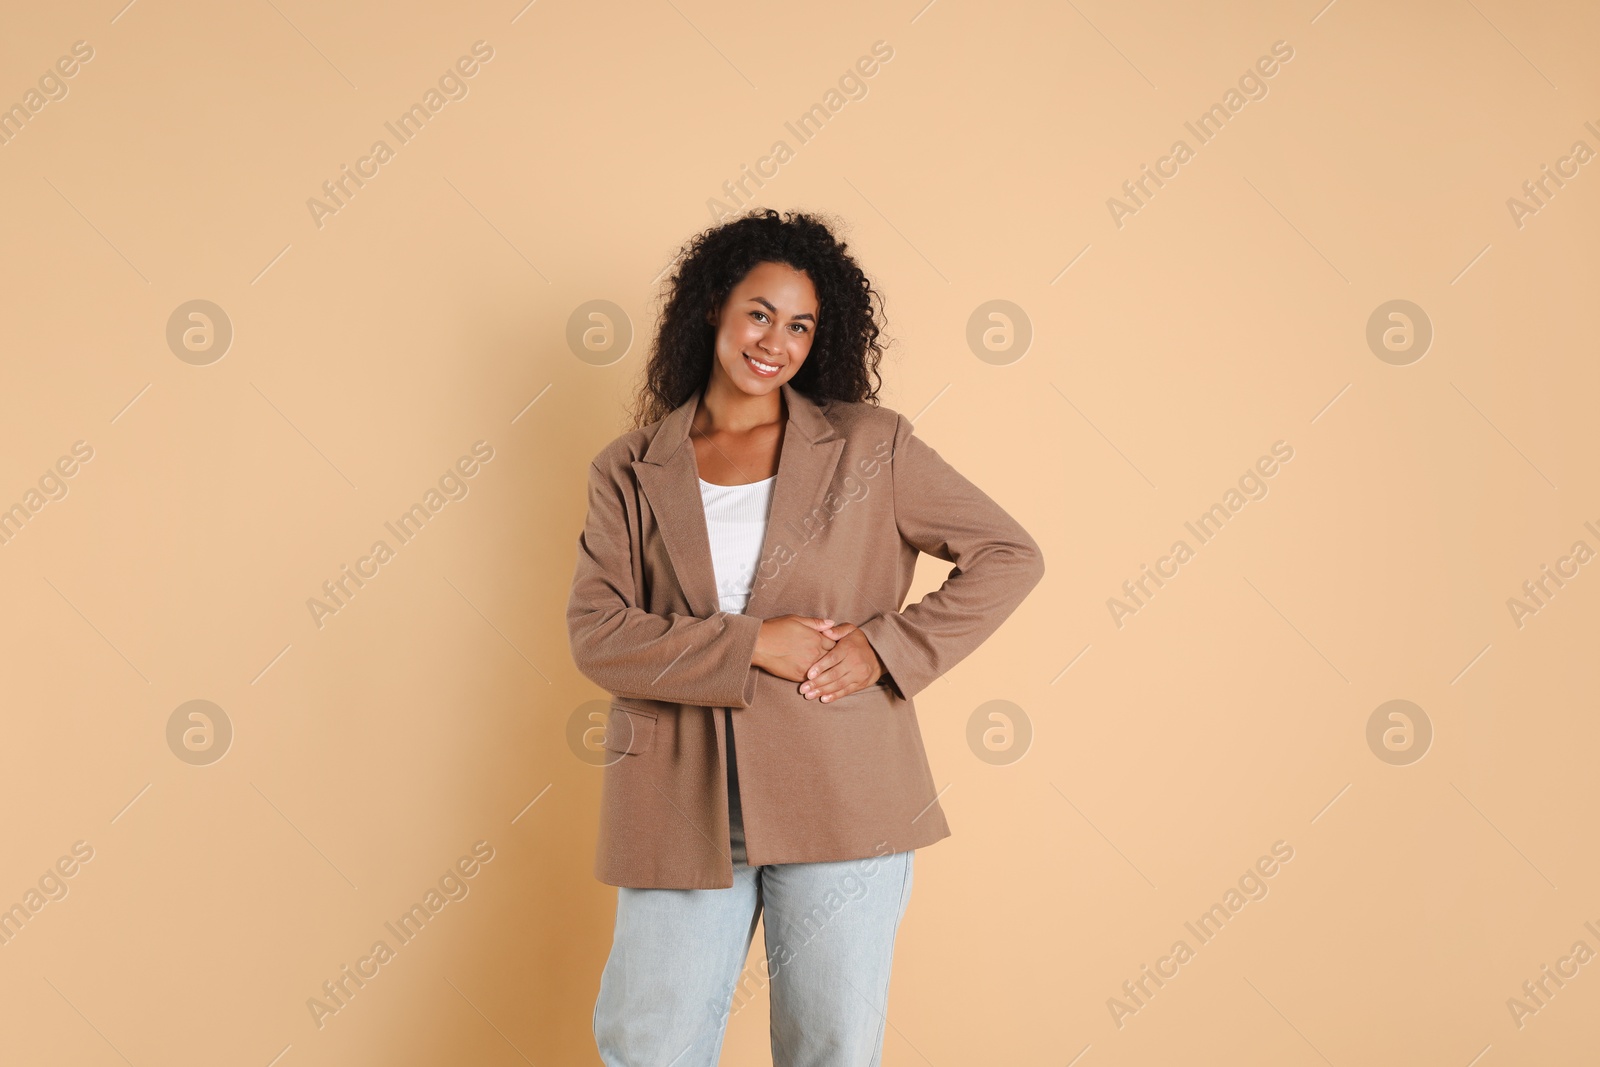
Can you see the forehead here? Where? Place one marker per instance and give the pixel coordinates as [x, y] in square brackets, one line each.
[778, 284]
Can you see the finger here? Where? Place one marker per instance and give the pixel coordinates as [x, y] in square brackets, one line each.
[823, 662]
[816, 676]
[815, 624]
[835, 681]
[839, 688]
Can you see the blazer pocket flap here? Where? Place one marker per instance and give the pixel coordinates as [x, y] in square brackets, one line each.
[629, 730]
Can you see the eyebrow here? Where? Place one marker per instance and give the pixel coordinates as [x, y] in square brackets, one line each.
[768, 305]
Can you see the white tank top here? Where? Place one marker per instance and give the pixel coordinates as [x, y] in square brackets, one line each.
[736, 524]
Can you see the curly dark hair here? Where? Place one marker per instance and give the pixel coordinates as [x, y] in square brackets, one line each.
[844, 351]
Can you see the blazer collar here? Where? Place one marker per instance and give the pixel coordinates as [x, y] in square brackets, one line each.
[670, 478]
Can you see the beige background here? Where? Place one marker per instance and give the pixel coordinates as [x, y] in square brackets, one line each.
[432, 311]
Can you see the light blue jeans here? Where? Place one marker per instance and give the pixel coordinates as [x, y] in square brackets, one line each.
[676, 971]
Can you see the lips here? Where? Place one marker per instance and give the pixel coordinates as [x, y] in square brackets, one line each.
[761, 370]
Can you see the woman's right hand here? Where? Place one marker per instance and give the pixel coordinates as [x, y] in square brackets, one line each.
[789, 644]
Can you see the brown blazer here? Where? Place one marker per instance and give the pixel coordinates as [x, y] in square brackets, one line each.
[857, 497]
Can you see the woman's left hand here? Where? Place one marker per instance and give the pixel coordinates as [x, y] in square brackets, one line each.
[850, 665]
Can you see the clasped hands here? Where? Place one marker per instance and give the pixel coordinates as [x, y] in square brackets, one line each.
[828, 659]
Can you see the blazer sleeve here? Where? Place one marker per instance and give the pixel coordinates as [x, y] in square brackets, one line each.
[630, 652]
[997, 564]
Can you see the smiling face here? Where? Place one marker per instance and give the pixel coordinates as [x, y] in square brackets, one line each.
[764, 329]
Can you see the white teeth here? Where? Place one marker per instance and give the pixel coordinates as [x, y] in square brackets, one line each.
[764, 366]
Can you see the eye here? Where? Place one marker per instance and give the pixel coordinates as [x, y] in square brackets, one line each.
[799, 326]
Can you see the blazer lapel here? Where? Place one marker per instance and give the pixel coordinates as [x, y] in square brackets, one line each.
[669, 477]
[670, 480]
[806, 463]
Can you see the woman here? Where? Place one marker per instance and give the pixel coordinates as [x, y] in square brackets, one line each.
[737, 593]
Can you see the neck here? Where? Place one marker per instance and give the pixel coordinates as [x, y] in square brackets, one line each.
[726, 409]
